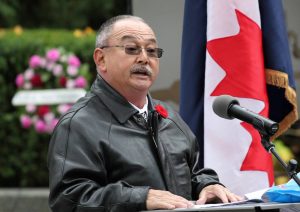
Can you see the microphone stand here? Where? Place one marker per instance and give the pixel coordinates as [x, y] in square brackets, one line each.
[290, 168]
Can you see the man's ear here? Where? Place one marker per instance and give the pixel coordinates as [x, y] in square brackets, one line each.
[99, 60]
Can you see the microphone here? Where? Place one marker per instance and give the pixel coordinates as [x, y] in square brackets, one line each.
[228, 107]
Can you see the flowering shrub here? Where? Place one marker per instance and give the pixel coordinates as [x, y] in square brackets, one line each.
[57, 69]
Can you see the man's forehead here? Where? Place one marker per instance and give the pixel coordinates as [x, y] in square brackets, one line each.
[137, 37]
[132, 30]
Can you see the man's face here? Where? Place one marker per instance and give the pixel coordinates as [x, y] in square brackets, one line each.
[126, 72]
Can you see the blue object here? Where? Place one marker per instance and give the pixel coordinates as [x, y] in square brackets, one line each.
[287, 193]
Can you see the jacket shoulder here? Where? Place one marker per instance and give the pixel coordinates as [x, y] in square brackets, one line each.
[81, 121]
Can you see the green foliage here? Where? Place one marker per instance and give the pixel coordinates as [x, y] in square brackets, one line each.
[24, 153]
[60, 14]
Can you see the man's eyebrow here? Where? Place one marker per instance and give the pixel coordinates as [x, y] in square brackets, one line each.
[129, 37]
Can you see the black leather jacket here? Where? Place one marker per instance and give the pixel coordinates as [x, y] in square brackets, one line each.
[104, 156]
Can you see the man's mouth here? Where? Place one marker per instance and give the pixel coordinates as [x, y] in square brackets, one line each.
[141, 70]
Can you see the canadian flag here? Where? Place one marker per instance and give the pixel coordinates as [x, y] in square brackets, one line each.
[234, 64]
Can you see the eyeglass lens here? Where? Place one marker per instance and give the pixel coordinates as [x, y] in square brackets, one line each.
[151, 52]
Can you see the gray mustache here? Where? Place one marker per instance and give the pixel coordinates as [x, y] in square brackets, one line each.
[141, 69]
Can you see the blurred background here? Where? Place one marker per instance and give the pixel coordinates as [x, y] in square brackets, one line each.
[53, 31]
[29, 28]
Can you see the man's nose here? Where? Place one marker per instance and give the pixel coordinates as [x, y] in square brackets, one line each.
[143, 57]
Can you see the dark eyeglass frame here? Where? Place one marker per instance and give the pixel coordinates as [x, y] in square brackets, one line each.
[136, 50]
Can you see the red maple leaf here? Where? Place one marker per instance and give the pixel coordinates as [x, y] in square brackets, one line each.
[241, 57]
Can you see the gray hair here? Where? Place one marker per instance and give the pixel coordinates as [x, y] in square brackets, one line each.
[105, 30]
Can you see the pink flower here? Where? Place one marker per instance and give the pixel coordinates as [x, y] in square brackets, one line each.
[25, 121]
[48, 117]
[30, 108]
[70, 83]
[28, 74]
[49, 66]
[53, 55]
[63, 108]
[40, 126]
[80, 82]
[72, 70]
[57, 70]
[52, 125]
[35, 61]
[43, 62]
[54, 122]
[74, 61]
[27, 85]
[20, 80]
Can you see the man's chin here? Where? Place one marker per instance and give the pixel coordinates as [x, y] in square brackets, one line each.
[143, 86]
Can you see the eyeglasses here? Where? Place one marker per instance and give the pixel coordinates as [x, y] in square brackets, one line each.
[136, 50]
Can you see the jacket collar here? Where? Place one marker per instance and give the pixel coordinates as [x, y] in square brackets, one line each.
[116, 103]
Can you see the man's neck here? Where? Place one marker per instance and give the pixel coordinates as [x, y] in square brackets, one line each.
[138, 100]
[141, 110]
[136, 97]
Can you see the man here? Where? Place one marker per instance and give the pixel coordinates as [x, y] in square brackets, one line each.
[117, 149]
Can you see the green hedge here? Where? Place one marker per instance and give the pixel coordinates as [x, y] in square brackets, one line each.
[24, 153]
[67, 14]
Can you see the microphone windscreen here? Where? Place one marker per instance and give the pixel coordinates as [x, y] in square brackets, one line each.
[222, 104]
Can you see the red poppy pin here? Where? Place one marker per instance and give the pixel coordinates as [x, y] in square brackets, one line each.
[161, 111]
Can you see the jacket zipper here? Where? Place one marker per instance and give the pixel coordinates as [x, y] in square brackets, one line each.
[152, 136]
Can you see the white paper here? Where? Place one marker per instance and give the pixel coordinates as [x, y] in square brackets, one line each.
[256, 194]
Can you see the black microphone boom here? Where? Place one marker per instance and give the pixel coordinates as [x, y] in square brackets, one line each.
[228, 107]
